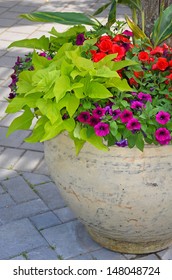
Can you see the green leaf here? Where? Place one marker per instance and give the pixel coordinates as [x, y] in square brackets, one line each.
[106, 73]
[138, 33]
[38, 131]
[133, 4]
[112, 14]
[24, 121]
[18, 103]
[67, 18]
[93, 139]
[140, 142]
[69, 124]
[84, 63]
[97, 90]
[52, 130]
[101, 9]
[49, 109]
[70, 102]
[39, 62]
[121, 85]
[162, 29]
[62, 85]
[24, 84]
[132, 140]
[34, 43]
[113, 128]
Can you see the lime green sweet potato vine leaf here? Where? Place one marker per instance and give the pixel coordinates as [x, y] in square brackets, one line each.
[23, 122]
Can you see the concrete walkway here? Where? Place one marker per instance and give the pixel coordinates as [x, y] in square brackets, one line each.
[35, 223]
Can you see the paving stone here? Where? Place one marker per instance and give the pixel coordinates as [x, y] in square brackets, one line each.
[32, 146]
[1, 150]
[148, 257]
[7, 22]
[22, 9]
[23, 210]
[43, 253]
[65, 214]
[42, 168]
[3, 106]
[10, 36]
[104, 254]
[45, 220]
[165, 254]
[14, 140]
[1, 190]
[22, 29]
[6, 200]
[19, 190]
[36, 179]
[4, 92]
[2, 10]
[70, 239]
[50, 195]
[7, 120]
[6, 174]
[9, 157]
[29, 161]
[17, 237]
[5, 72]
[7, 61]
[18, 258]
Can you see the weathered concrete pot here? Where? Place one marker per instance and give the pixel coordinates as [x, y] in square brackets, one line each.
[124, 197]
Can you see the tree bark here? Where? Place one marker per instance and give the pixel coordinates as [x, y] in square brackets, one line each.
[152, 10]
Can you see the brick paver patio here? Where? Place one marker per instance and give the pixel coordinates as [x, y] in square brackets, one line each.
[35, 223]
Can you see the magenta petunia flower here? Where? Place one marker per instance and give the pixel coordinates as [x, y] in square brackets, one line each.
[137, 105]
[163, 136]
[93, 121]
[115, 113]
[101, 129]
[128, 33]
[125, 116]
[99, 112]
[162, 117]
[133, 124]
[84, 117]
[144, 97]
[80, 39]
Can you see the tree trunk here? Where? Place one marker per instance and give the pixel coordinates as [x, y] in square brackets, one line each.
[152, 10]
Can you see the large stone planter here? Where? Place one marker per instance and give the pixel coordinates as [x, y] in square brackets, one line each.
[124, 197]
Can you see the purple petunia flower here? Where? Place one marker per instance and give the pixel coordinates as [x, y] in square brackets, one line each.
[99, 112]
[133, 125]
[125, 116]
[101, 129]
[84, 117]
[122, 143]
[137, 105]
[162, 117]
[80, 39]
[144, 97]
[115, 113]
[163, 136]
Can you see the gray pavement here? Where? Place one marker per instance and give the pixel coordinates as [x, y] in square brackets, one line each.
[35, 223]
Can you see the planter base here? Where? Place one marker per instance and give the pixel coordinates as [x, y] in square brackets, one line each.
[129, 247]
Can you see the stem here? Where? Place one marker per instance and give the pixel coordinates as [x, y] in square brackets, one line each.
[143, 20]
[134, 16]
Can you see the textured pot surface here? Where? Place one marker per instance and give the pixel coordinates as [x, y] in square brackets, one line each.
[123, 196]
